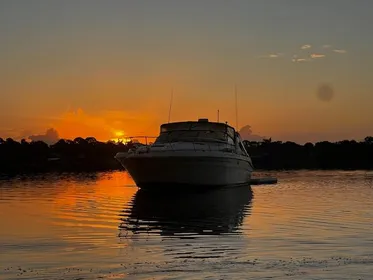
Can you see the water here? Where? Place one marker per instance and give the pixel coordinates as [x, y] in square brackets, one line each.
[312, 225]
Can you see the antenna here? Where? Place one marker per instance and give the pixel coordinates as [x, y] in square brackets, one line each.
[218, 115]
[235, 94]
[169, 111]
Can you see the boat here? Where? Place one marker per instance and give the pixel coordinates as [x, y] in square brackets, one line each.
[193, 154]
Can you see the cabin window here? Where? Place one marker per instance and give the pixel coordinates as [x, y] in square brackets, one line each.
[196, 132]
[230, 132]
[242, 149]
[192, 136]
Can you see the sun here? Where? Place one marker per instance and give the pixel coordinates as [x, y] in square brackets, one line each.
[119, 133]
[119, 136]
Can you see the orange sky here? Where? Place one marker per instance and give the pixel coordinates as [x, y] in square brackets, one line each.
[285, 118]
[99, 68]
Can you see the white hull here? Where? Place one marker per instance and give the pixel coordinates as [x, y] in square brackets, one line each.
[197, 169]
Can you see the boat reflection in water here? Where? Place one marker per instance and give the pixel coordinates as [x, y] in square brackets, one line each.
[183, 214]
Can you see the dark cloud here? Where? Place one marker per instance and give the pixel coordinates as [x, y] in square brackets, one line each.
[325, 92]
[50, 136]
[247, 134]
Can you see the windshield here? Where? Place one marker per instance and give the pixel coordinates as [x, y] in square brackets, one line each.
[196, 132]
[192, 136]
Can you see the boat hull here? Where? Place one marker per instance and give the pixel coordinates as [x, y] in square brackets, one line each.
[185, 171]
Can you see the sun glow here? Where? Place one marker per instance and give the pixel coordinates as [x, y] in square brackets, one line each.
[119, 133]
[121, 140]
[120, 137]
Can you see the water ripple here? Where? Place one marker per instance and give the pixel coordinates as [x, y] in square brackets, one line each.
[312, 225]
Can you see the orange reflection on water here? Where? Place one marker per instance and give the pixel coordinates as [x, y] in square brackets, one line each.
[94, 202]
[42, 207]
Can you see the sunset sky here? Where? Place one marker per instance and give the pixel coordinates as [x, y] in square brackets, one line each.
[106, 68]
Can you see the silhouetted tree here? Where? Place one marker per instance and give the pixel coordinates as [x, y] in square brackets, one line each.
[89, 155]
[345, 154]
[91, 140]
[80, 141]
[368, 139]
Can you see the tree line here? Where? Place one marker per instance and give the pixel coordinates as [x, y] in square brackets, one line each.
[91, 155]
[65, 155]
[346, 154]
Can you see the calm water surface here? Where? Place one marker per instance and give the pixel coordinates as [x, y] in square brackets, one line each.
[312, 225]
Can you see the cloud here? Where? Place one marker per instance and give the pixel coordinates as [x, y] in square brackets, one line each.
[272, 55]
[339, 51]
[299, 59]
[317, 55]
[304, 47]
[247, 134]
[50, 136]
[326, 46]
[325, 92]
[296, 58]
[304, 54]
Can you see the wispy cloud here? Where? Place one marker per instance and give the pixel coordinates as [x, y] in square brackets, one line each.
[339, 51]
[317, 55]
[304, 47]
[299, 59]
[272, 55]
[304, 54]
[326, 46]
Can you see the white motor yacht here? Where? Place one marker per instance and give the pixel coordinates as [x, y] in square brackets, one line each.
[199, 154]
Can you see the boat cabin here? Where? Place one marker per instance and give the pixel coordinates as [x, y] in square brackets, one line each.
[196, 131]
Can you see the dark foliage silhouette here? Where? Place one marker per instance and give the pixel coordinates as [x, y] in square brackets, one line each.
[65, 155]
[346, 154]
[91, 155]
